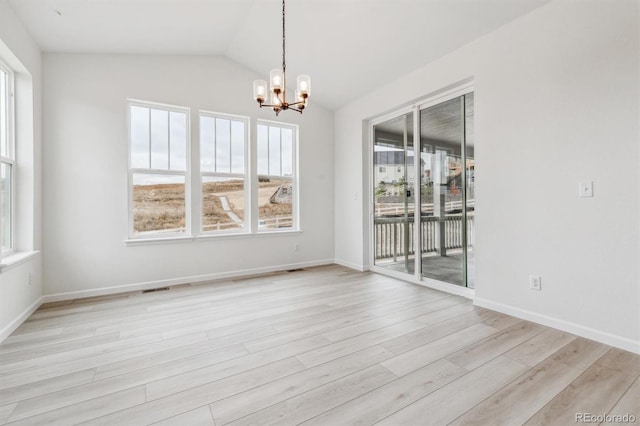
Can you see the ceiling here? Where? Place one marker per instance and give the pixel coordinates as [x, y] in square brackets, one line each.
[348, 47]
[440, 125]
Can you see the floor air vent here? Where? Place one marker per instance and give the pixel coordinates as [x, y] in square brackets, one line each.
[153, 290]
[295, 270]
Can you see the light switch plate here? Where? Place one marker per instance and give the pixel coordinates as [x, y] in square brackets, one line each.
[586, 189]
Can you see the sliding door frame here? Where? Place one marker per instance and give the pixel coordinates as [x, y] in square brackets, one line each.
[415, 108]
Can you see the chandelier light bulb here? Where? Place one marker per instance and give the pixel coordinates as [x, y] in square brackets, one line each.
[260, 90]
[301, 100]
[304, 84]
[276, 79]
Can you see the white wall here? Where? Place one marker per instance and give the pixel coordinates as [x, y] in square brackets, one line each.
[19, 295]
[556, 102]
[85, 173]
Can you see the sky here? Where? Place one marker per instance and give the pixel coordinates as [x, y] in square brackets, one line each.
[159, 141]
[4, 148]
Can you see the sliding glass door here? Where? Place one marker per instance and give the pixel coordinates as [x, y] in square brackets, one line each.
[441, 233]
[394, 180]
[445, 183]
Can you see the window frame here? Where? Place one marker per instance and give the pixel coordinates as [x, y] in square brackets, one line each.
[193, 178]
[246, 176]
[295, 220]
[10, 158]
[131, 171]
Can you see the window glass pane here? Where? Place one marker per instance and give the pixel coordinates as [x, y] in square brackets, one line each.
[158, 203]
[263, 150]
[223, 145]
[178, 141]
[442, 189]
[274, 151]
[470, 193]
[287, 152]
[4, 104]
[275, 204]
[139, 137]
[5, 205]
[159, 139]
[222, 203]
[237, 146]
[207, 141]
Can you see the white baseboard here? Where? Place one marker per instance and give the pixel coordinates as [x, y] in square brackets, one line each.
[445, 287]
[569, 327]
[351, 265]
[11, 327]
[177, 281]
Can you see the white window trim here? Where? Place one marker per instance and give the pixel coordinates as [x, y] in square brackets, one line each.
[159, 235]
[246, 176]
[193, 182]
[11, 158]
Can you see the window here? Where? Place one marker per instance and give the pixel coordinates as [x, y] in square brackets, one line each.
[277, 174]
[216, 194]
[158, 169]
[7, 160]
[223, 167]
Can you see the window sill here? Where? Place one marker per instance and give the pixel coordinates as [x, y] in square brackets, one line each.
[160, 240]
[276, 233]
[209, 237]
[16, 259]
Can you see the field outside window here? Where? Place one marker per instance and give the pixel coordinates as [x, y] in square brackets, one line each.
[276, 146]
[223, 144]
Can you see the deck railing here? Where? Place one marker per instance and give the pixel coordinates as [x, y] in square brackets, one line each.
[270, 222]
[391, 233]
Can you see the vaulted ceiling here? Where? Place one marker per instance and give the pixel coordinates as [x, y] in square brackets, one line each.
[348, 47]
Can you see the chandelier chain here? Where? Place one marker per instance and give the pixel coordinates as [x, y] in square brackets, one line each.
[284, 65]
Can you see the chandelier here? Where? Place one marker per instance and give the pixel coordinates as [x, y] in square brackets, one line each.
[276, 96]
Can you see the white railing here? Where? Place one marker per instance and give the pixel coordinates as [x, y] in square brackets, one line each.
[271, 222]
[388, 209]
[276, 222]
[394, 236]
[221, 226]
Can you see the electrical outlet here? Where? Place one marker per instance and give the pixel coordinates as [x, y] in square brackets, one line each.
[29, 278]
[535, 282]
[296, 247]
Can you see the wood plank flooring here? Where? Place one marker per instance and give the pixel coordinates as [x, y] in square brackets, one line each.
[321, 346]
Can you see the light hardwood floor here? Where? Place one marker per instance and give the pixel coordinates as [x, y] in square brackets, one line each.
[321, 346]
